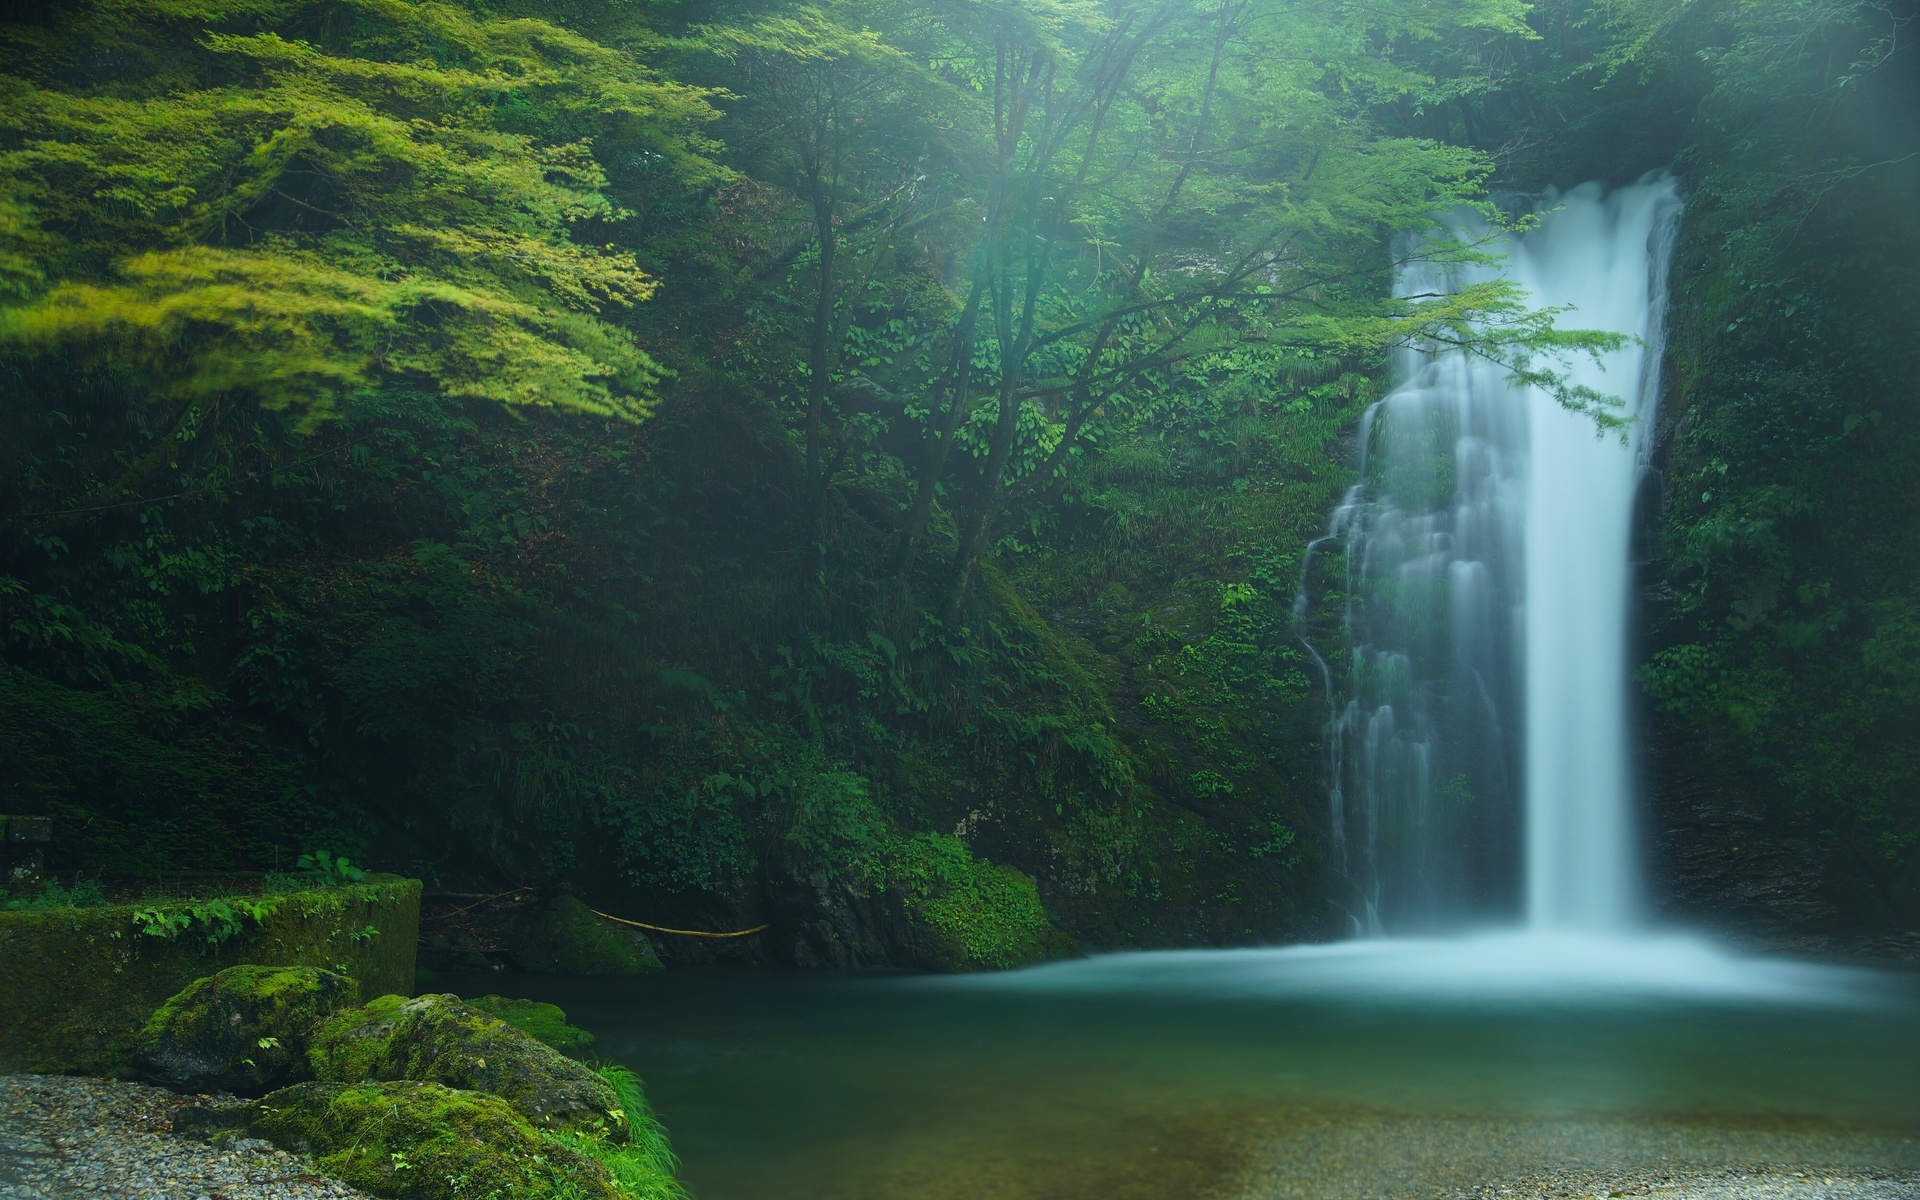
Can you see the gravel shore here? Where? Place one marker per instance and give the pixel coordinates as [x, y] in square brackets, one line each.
[1362, 1156]
[1753, 1184]
[66, 1136]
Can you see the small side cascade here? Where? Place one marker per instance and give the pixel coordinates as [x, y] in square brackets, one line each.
[1479, 759]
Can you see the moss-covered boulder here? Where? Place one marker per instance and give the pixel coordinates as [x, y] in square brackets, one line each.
[546, 1022]
[414, 1140]
[438, 1039]
[968, 914]
[564, 937]
[242, 1030]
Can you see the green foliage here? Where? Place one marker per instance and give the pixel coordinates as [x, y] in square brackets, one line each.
[326, 869]
[953, 569]
[643, 1167]
[1780, 673]
[85, 893]
[210, 921]
[990, 914]
[145, 776]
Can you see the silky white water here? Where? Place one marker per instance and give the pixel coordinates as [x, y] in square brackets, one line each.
[1481, 760]
[1606, 257]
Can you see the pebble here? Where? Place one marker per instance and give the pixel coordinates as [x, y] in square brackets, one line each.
[63, 1137]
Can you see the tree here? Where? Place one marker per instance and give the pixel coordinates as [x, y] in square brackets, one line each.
[1159, 183]
[841, 117]
[311, 199]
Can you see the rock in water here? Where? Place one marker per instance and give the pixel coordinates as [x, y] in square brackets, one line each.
[438, 1039]
[412, 1140]
[244, 1030]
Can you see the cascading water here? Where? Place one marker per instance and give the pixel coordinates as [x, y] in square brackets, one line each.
[1486, 583]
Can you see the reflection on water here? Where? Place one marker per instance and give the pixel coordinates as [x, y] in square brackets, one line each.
[1295, 1073]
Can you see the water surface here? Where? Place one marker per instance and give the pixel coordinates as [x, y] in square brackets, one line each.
[1365, 1069]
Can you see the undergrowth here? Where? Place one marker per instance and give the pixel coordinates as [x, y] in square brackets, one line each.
[644, 1166]
[84, 893]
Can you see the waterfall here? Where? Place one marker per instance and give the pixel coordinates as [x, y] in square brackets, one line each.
[1480, 762]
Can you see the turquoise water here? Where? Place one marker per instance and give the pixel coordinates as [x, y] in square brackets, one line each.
[1262, 1073]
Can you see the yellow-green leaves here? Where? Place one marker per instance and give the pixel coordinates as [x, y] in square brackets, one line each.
[21, 250]
[297, 331]
[305, 217]
[203, 321]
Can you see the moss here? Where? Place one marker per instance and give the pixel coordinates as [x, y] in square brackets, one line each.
[438, 1039]
[545, 1022]
[976, 914]
[413, 1140]
[355, 1045]
[77, 985]
[564, 937]
[243, 1030]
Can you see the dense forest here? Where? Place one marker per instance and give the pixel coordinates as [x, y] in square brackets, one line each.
[847, 465]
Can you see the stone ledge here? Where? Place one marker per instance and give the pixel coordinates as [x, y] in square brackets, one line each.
[77, 983]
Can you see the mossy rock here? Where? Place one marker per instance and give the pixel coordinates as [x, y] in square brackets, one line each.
[968, 914]
[415, 1140]
[564, 937]
[545, 1022]
[438, 1039]
[242, 1030]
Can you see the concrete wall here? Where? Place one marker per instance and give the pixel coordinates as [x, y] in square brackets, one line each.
[76, 984]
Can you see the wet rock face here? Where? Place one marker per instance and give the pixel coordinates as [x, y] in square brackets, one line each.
[438, 1039]
[244, 1030]
[413, 1140]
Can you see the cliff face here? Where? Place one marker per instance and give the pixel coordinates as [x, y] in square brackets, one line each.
[1780, 581]
[1719, 861]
